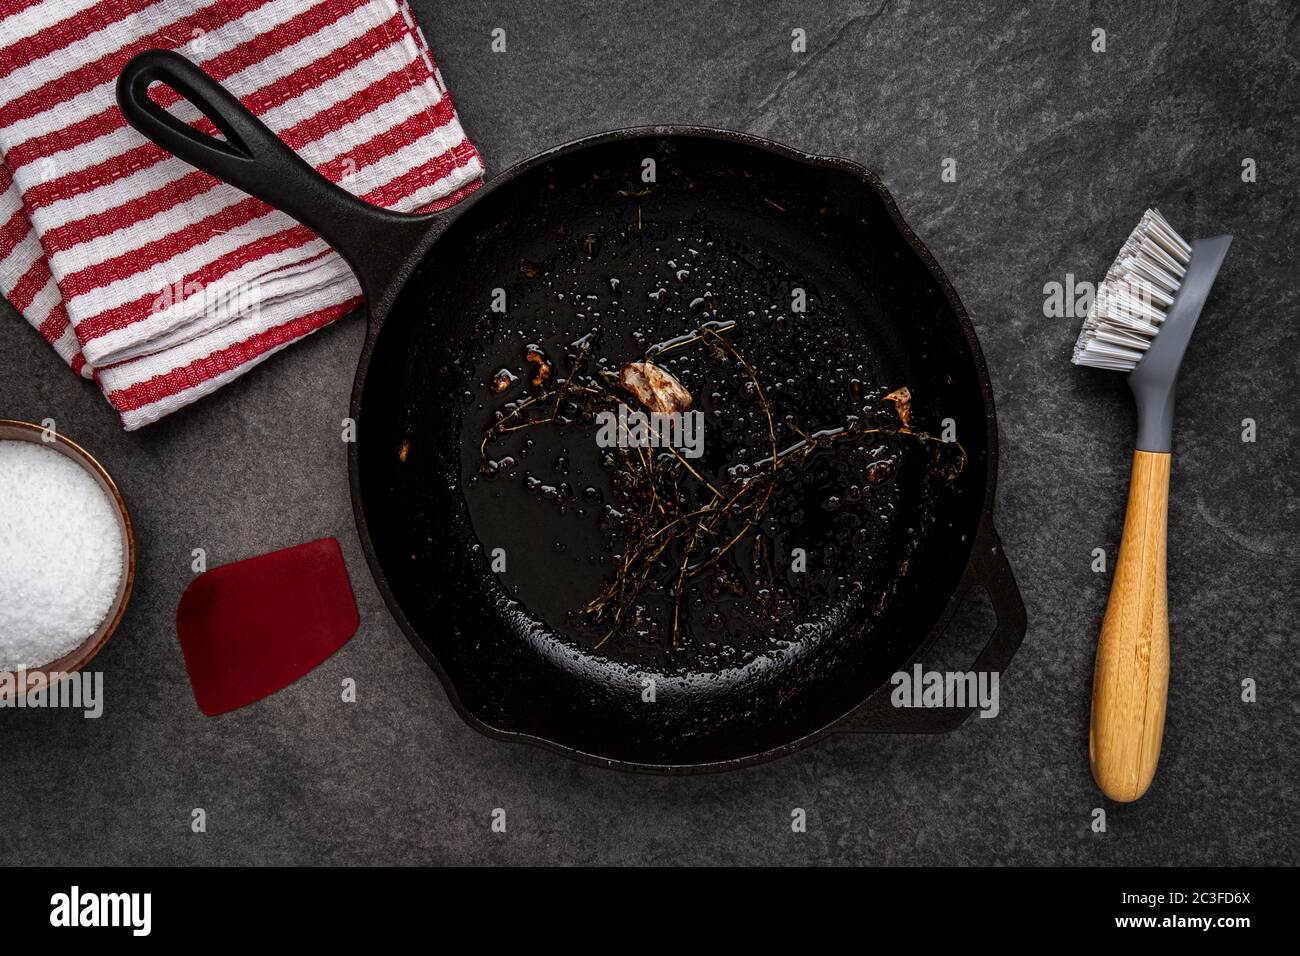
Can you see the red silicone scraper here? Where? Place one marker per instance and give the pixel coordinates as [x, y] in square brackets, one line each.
[253, 627]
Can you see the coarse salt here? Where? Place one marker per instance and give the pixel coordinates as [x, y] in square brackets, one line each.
[61, 555]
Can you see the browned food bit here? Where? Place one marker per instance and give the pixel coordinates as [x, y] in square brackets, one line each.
[655, 388]
[902, 399]
[542, 375]
[878, 471]
[502, 380]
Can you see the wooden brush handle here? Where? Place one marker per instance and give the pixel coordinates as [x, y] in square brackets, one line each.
[1132, 674]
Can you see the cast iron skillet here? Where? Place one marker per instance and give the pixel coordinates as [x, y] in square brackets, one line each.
[748, 221]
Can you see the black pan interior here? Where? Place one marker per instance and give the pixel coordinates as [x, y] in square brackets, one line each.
[596, 262]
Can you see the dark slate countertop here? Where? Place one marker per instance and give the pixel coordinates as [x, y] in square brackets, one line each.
[1058, 151]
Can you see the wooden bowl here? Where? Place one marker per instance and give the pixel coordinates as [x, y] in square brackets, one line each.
[77, 659]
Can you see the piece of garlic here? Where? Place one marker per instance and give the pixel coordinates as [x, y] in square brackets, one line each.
[902, 399]
[655, 388]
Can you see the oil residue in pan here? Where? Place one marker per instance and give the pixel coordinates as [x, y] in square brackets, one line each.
[631, 553]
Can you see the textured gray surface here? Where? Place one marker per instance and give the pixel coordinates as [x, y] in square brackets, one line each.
[1058, 151]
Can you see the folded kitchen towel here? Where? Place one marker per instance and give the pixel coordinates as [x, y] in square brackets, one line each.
[155, 280]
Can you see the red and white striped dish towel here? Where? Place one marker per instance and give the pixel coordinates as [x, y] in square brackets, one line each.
[153, 279]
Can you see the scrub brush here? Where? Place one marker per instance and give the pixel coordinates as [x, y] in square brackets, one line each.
[1141, 320]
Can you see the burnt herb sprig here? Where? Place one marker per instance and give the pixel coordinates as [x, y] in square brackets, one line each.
[671, 508]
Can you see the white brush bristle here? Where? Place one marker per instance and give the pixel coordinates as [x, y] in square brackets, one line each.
[1130, 302]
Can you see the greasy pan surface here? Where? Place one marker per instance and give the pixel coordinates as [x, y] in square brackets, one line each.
[582, 246]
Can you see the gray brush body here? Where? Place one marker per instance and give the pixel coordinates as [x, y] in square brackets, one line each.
[1153, 380]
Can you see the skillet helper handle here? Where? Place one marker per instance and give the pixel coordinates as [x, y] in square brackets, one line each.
[990, 569]
[374, 241]
[1131, 683]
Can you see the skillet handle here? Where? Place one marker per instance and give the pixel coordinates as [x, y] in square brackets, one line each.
[989, 569]
[375, 242]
